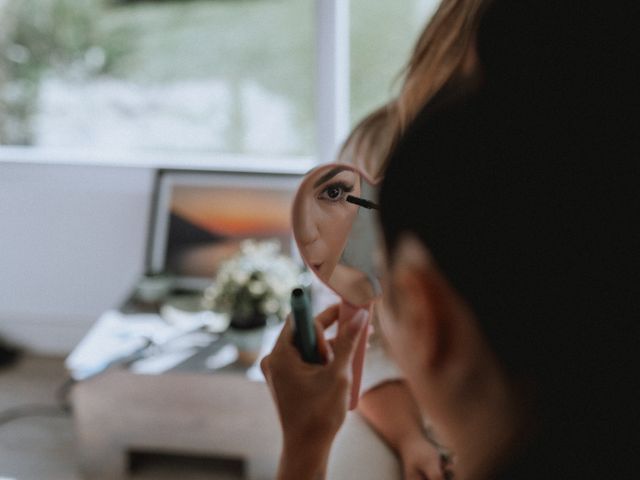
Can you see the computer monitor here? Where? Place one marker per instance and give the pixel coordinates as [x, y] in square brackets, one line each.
[199, 219]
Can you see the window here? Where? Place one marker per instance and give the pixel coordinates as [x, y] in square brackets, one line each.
[383, 34]
[196, 76]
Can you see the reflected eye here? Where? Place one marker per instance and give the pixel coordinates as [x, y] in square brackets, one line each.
[335, 192]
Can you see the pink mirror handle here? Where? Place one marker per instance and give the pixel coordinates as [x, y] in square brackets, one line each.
[346, 312]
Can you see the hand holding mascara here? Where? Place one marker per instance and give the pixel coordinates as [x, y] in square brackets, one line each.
[304, 329]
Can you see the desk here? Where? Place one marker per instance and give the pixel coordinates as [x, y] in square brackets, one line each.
[221, 414]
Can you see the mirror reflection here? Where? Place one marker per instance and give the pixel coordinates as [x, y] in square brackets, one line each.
[334, 217]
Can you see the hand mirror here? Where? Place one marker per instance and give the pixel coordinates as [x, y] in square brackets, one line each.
[334, 225]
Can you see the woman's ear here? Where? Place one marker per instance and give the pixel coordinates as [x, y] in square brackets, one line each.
[419, 301]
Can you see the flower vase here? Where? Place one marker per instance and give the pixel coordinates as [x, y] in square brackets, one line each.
[247, 334]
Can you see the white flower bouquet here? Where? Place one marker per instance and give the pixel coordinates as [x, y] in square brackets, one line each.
[254, 285]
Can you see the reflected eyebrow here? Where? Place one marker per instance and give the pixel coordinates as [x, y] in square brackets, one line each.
[329, 175]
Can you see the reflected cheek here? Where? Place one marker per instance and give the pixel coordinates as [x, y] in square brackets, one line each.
[315, 253]
[335, 232]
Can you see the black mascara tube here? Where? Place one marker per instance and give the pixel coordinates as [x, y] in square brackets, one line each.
[304, 328]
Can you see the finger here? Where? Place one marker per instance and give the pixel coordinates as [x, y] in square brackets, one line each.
[324, 349]
[347, 338]
[433, 472]
[264, 366]
[284, 352]
[286, 335]
[324, 320]
[416, 475]
[327, 317]
[426, 468]
[266, 371]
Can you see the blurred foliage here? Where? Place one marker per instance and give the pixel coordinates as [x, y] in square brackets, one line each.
[41, 36]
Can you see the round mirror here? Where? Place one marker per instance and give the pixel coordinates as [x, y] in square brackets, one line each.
[334, 224]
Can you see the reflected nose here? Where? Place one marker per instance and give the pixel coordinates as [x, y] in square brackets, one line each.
[308, 231]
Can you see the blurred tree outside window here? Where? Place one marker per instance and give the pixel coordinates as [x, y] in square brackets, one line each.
[208, 75]
[233, 76]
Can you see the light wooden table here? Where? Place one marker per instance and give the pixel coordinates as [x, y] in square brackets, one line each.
[221, 414]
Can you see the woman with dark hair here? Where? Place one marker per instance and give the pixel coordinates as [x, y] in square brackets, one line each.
[515, 288]
[512, 278]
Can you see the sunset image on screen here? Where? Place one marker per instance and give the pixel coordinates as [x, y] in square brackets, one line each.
[231, 212]
[207, 224]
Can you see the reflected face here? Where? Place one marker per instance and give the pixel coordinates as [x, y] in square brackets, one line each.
[323, 217]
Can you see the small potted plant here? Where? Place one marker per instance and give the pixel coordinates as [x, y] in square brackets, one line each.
[253, 289]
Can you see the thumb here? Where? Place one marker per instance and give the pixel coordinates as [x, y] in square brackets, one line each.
[347, 338]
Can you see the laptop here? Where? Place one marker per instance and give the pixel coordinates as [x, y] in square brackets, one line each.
[199, 219]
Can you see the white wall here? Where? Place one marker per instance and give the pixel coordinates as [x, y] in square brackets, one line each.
[72, 243]
[73, 231]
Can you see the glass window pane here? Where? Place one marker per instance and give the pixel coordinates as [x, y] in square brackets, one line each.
[383, 34]
[206, 75]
